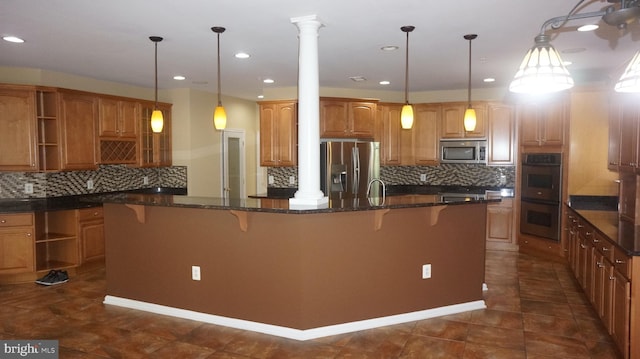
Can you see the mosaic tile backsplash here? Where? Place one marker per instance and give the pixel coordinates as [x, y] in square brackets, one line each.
[442, 175]
[107, 178]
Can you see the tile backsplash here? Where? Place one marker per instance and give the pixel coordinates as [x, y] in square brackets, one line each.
[107, 178]
[442, 175]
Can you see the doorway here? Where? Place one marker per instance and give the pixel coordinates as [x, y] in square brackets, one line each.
[233, 164]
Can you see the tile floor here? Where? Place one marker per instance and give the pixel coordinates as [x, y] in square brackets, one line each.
[535, 310]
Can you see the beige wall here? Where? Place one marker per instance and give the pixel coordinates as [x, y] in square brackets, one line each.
[588, 174]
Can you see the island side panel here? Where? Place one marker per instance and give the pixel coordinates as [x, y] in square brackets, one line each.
[296, 270]
[353, 272]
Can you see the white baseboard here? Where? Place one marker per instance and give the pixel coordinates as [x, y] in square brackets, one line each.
[291, 333]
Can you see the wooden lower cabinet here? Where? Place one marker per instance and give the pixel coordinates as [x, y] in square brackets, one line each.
[91, 234]
[16, 241]
[606, 274]
[500, 224]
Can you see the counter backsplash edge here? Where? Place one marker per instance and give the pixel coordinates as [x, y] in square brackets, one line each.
[107, 178]
[442, 175]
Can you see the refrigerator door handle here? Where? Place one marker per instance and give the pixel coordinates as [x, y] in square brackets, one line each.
[355, 159]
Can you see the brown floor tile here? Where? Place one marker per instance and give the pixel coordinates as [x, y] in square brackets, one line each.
[558, 346]
[499, 337]
[442, 328]
[546, 308]
[475, 351]
[566, 327]
[497, 318]
[432, 348]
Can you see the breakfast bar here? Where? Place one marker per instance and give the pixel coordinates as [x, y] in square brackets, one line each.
[356, 265]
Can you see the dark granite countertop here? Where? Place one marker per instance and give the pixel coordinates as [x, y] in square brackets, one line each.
[398, 190]
[255, 205]
[601, 212]
[17, 205]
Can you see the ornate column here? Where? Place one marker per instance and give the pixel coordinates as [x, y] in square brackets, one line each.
[309, 195]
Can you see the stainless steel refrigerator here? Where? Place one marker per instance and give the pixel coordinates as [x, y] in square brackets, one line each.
[347, 168]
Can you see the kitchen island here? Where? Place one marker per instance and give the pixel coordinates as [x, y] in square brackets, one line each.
[356, 265]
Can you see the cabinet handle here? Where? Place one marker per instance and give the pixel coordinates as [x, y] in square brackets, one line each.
[612, 278]
[619, 261]
[583, 246]
[595, 240]
[28, 234]
[605, 249]
[588, 234]
[3, 221]
[599, 264]
[580, 226]
[95, 213]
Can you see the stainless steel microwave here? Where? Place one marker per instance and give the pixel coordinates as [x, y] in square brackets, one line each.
[463, 151]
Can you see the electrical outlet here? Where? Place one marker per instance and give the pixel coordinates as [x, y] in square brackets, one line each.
[292, 180]
[89, 184]
[28, 188]
[195, 272]
[423, 177]
[426, 271]
[503, 180]
[145, 180]
[271, 180]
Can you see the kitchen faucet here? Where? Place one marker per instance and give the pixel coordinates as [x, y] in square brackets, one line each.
[384, 188]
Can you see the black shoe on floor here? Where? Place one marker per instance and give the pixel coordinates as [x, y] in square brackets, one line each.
[54, 277]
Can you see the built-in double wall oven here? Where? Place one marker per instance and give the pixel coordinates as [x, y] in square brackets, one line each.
[541, 195]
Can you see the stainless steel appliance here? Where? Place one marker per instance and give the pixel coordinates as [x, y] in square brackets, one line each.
[463, 151]
[541, 191]
[347, 168]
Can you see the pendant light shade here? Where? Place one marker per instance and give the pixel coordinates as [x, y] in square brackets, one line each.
[406, 116]
[542, 70]
[470, 114]
[157, 120]
[219, 115]
[630, 79]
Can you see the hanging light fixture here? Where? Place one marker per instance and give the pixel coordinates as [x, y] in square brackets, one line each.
[470, 114]
[157, 121]
[630, 79]
[542, 69]
[219, 115]
[406, 116]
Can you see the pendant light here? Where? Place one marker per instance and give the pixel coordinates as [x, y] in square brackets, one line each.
[406, 116]
[157, 121]
[630, 79]
[470, 114]
[219, 115]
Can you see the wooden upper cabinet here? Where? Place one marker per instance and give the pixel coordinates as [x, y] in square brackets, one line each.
[344, 118]
[615, 114]
[18, 130]
[501, 137]
[390, 149]
[155, 149]
[278, 134]
[543, 123]
[79, 114]
[426, 122]
[118, 118]
[453, 120]
[624, 136]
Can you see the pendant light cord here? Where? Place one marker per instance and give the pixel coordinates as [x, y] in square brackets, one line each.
[156, 75]
[219, 97]
[469, 87]
[406, 29]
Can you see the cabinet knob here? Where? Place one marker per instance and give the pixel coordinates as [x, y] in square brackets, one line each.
[3, 221]
[612, 278]
[605, 249]
[95, 213]
[28, 234]
[619, 261]
[583, 246]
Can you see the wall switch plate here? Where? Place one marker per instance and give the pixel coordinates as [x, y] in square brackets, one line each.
[89, 184]
[271, 180]
[145, 180]
[423, 177]
[195, 272]
[28, 188]
[426, 271]
[292, 180]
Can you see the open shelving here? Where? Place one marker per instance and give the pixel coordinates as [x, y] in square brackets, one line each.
[48, 130]
[56, 240]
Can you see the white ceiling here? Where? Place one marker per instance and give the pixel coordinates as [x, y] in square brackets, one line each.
[109, 40]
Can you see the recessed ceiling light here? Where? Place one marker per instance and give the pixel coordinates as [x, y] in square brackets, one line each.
[242, 55]
[589, 27]
[15, 39]
[268, 81]
[260, 96]
[489, 79]
[389, 48]
[385, 82]
[358, 78]
[567, 63]
[179, 77]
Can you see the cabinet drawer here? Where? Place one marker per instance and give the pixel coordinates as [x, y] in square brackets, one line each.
[90, 213]
[605, 248]
[622, 263]
[18, 219]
